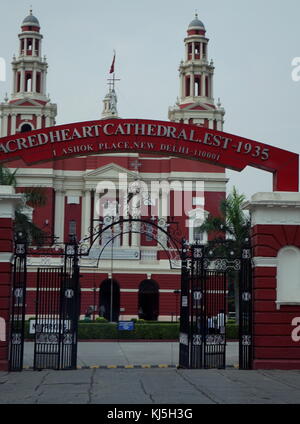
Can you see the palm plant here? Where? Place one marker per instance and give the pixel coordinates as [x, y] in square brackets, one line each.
[33, 197]
[230, 230]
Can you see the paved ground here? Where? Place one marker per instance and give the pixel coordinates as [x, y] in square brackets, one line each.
[130, 353]
[150, 386]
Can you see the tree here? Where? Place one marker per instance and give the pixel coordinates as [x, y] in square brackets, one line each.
[231, 230]
[33, 197]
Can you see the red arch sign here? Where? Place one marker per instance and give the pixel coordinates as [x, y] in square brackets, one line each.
[152, 137]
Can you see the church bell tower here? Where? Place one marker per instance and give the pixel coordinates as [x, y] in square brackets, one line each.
[29, 107]
[196, 104]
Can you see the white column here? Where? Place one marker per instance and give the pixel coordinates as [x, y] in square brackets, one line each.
[4, 126]
[14, 81]
[86, 213]
[211, 86]
[191, 84]
[38, 122]
[203, 91]
[211, 124]
[33, 83]
[95, 212]
[48, 122]
[135, 237]
[193, 51]
[181, 86]
[22, 84]
[43, 82]
[125, 237]
[13, 124]
[59, 217]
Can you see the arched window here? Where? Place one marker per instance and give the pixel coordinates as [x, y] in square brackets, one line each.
[196, 218]
[28, 82]
[25, 128]
[288, 275]
[148, 300]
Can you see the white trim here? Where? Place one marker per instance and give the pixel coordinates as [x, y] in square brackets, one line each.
[97, 289]
[6, 257]
[265, 262]
[280, 303]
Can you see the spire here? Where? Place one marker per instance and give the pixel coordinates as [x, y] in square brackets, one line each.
[110, 100]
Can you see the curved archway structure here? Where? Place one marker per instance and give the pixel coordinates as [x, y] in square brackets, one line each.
[171, 244]
[153, 137]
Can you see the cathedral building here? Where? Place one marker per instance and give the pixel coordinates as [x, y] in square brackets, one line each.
[133, 275]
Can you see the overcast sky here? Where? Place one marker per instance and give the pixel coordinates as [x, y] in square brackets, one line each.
[252, 43]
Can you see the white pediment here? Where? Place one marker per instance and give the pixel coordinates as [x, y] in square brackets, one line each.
[204, 106]
[109, 172]
[21, 102]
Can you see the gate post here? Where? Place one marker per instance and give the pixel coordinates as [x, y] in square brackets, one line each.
[8, 201]
[275, 222]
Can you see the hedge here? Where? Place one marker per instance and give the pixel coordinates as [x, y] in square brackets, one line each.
[143, 331]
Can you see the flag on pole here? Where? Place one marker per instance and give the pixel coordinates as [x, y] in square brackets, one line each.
[112, 68]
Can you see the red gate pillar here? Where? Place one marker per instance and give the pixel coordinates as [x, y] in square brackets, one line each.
[8, 201]
[275, 221]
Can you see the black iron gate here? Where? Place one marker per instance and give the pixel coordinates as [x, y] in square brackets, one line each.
[57, 314]
[18, 295]
[57, 311]
[204, 291]
[245, 312]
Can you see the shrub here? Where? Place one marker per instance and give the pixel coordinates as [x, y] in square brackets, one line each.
[101, 319]
[232, 331]
[143, 330]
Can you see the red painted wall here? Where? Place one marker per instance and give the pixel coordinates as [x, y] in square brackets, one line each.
[273, 344]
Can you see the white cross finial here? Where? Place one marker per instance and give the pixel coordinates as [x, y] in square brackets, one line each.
[136, 164]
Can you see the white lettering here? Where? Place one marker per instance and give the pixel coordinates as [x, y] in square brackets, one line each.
[296, 331]
[296, 71]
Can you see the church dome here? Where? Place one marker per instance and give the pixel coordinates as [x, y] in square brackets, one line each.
[31, 20]
[196, 23]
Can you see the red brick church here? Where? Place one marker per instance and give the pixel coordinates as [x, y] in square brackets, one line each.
[136, 267]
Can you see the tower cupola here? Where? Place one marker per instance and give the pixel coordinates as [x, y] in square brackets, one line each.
[196, 102]
[30, 23]
[29, 106]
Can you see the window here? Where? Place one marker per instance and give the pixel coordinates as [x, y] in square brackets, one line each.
[198, 235]
[25, 128]
[196, 219]
[197, 85]
[288, 275]
[149, 232]
[72, 228]
[73, 200]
